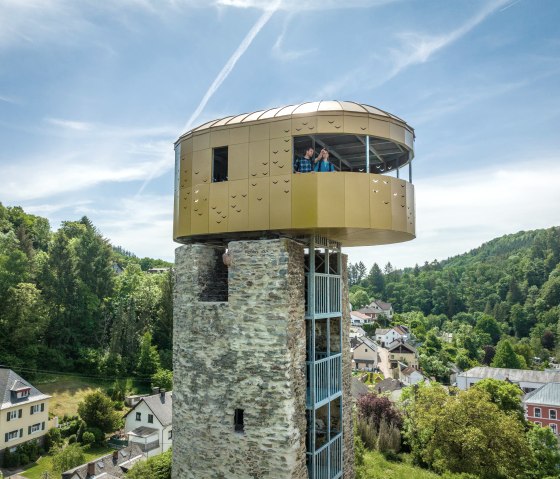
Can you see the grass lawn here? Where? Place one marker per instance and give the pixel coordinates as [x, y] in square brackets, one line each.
[67, 392]
[45, 463]
[377, 467]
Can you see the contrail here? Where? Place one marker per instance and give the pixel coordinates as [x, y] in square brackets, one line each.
[224, 73]
[228, 67]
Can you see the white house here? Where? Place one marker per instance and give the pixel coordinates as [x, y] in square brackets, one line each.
[356, 332]
[410, 376]
[527, 380]
[148, 423]
[359, 319]
[387, 337]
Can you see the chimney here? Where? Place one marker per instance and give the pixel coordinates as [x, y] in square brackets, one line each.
[155, 390]
[115, 456]
[91, 469]
[162, 394]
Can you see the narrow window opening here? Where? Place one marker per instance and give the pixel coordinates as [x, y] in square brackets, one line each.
[213, 277]
[220, 164]
[238, 424]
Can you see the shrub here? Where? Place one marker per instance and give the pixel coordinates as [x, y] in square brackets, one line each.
[97, 433]
[53, 438]
[97, 411]
[88, 438]
[72, 439]
[23, 459]
[67, 458]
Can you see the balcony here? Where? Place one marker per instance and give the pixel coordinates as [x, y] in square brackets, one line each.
[235, 177]
[326, 462]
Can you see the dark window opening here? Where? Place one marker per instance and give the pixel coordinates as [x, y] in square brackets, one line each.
[238, 424]
[150, 418]
[213, 278]
[220, 164]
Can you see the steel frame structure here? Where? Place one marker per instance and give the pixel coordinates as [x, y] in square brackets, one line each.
[324, 364]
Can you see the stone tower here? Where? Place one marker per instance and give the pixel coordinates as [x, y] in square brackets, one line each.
[262, 364]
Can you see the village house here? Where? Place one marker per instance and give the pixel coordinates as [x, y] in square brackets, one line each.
[410, 376]
[386, 337]
[148, 423]
[526, 379]
[111, 466]
[542, 406]
[378, 308]
[359, 319]
[24, 412]
[401, 352]
[356, 332]
[364, 353]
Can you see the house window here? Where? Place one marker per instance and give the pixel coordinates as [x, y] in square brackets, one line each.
[151, 418]
[35, 428]
[365, 350]
[170, 435]
[553, 428]
[238, 422]
[552, 414]
[23, 393]
[220, 164]
[36, 408]
[138, 416]
[12, 435]
[13, 415]
[537, 412]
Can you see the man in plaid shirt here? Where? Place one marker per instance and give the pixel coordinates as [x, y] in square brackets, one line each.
[305, 164]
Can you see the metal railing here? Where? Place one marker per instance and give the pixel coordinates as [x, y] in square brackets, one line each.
[327, 461]
[327, 293]
[326, 380]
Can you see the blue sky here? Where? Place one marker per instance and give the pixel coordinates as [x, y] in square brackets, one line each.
[93, 95]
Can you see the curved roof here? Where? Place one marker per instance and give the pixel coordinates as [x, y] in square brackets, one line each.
[302, 108]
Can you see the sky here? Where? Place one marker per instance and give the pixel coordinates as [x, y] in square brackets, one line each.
[94, 94]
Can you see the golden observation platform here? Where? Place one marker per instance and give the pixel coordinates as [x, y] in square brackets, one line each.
[234, 177]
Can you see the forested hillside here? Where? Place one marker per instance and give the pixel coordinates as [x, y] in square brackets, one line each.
[507, 291]
[69, 301]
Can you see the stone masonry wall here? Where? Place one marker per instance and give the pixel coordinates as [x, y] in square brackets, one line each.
[247, 353]
[347, 403]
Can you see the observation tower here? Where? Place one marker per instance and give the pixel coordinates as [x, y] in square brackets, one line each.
[262, 365]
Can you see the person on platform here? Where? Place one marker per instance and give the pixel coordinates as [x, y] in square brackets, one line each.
[322, 162]
[305, 164]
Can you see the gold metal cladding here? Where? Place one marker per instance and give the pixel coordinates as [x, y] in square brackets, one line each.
[357, 209]
[262, 193]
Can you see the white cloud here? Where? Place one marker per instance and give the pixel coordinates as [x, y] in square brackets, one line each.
[143, 225]
[281, 53]
[458, 212]
[415, 48]
[71, 124]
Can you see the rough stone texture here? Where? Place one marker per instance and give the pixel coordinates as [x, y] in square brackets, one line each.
[347, 402]
[248, 353]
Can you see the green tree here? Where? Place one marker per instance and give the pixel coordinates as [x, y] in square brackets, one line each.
[546, 455]
[487, 324]
[148, 360]
[359, 299]
[505, 395]
[505, 356]
[157, 467]
[97, 411]
[163, 379]
[465, 433]
[68, 458]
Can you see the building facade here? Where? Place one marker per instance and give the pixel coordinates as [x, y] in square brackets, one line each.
[149, 423]
[527, 380]
[262, 364]
[24, 412]
[542, 406]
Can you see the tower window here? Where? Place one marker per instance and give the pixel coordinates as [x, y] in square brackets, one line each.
[220, 164]
[238, 424]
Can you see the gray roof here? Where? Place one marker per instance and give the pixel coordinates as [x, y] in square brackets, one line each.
[358, 388]
[388, 384]
[160, 405]
[514, 375]
[381, 331]
[10, 381]
[107, 466]
[547, 395]
[383, 305]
